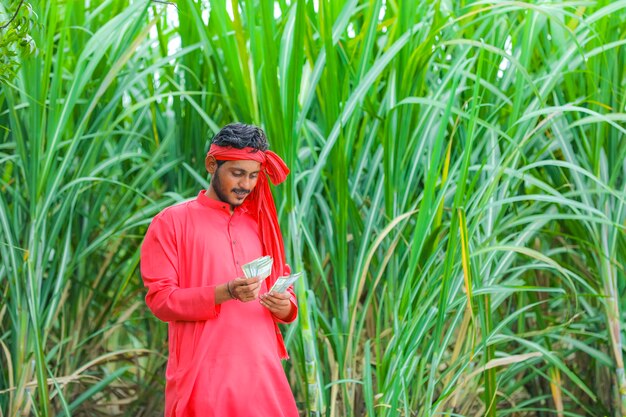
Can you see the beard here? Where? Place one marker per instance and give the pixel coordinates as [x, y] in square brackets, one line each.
[224, 194]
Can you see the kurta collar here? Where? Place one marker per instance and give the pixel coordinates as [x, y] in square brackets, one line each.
[207, 201]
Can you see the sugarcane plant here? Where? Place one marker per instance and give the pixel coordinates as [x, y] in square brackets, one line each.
[456, 201]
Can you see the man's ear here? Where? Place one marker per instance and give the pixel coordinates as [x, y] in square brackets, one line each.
[211, 164]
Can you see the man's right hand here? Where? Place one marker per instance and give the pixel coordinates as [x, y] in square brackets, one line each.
[245, 289]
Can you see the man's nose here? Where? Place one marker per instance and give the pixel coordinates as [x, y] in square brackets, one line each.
[245, 183]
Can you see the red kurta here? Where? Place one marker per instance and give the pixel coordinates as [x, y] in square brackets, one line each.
[224, 360]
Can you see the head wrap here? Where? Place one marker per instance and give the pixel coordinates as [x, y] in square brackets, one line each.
[260, 201]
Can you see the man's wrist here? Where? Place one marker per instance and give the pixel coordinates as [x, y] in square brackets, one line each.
[230, 292]
[222, 293]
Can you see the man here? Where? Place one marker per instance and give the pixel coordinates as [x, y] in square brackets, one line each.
[224, 344]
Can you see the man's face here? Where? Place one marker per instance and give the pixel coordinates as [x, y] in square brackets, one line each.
[233, 181]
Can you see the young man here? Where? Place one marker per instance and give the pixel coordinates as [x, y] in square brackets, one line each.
[225, 348]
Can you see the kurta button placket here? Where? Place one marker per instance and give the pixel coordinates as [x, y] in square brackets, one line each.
[232, 241]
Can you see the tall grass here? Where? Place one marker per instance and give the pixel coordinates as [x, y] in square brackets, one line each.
[457, 201]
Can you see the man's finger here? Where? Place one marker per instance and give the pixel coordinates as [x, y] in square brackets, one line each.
[278, 296]
[273, 306]
[275, 300]
[268, 304]
[251, 283]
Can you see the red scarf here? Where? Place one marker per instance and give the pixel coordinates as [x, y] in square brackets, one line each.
[261, 202]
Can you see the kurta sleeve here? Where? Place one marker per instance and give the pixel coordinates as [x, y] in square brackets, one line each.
[159, 271]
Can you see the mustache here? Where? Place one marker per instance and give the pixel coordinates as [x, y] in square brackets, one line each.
[240, 190]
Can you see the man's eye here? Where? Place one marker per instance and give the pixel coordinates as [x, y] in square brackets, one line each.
[254, 176]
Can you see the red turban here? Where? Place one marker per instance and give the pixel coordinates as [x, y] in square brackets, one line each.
[261, 202]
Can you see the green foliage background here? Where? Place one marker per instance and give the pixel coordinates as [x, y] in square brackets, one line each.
[15, 23]
[457, 197]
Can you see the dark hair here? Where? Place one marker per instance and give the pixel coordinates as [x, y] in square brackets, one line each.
[239, 135]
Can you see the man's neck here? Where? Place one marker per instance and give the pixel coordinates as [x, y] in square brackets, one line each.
[210, 192]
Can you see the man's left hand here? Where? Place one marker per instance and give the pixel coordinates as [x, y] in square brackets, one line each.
[279, 304]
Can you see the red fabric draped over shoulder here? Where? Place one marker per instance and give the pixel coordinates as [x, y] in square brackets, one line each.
[260, 202]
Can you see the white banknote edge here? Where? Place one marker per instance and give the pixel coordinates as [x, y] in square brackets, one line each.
[261, 267]
[283, 283]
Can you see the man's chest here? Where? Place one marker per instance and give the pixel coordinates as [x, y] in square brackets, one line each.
[217, 245]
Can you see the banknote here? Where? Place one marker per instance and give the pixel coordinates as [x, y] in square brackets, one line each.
[261, 267]
[283, 283]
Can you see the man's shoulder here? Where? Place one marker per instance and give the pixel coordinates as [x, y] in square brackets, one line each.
[175, 211]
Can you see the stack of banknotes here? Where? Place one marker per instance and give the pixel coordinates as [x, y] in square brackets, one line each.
[283, 283]
[262, 267]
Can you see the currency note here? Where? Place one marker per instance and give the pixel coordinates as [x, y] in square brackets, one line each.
[261, 267]
[283, 283]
